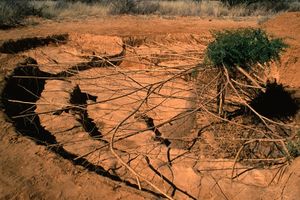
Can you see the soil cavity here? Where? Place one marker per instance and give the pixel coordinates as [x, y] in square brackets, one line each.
[79, 101]
[158, 135]
[275, 103]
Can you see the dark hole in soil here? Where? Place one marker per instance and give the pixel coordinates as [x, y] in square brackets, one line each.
[275, 103]
[79, 100]
[15, 46]
[18, 99]
[158, 135]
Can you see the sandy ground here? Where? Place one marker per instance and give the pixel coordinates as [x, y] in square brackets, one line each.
[127, 26]
[29, 171]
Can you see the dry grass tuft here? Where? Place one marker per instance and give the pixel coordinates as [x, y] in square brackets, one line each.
[64, 9]
[13, 12]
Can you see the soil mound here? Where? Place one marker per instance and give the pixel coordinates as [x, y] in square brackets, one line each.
[287, 26]
[289, 22]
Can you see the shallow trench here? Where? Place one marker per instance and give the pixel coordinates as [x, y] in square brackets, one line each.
[24, 88]
[19, 98]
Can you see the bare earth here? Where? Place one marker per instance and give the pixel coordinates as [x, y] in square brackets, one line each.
[30, 171]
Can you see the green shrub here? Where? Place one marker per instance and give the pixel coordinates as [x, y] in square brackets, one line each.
[294, 146]
[240, 49]
[243, 48]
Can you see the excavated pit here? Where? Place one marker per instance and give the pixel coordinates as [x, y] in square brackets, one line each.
[35, 115]
[92, 97]
[22, 90]
[208, 168]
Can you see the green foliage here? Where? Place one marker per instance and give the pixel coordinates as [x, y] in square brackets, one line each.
[243, 48]
[294, 146]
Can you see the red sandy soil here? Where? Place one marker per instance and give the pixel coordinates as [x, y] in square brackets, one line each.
[28, 171]
[287, 26]
[127, 26]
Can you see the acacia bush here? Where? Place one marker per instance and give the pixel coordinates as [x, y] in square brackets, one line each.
[238, 51]
[243, 48]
